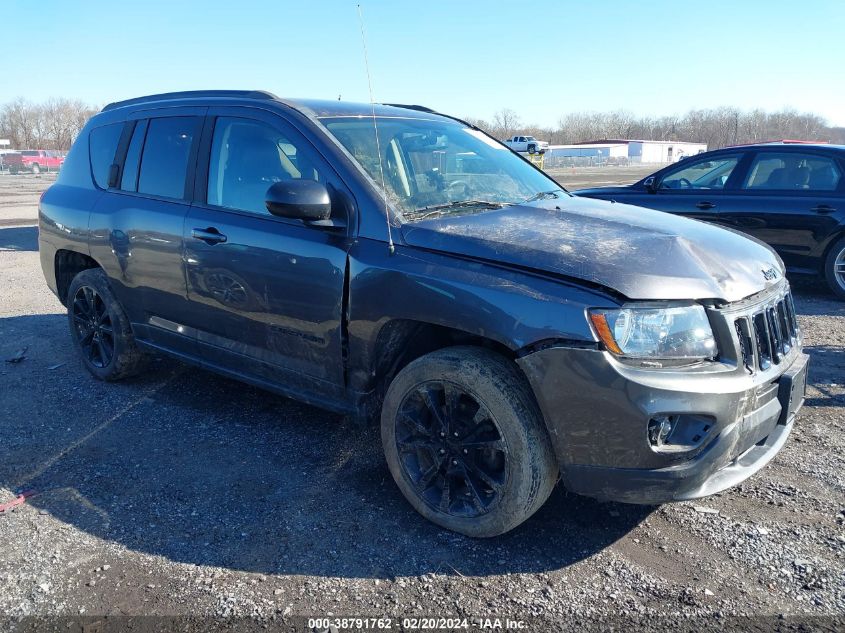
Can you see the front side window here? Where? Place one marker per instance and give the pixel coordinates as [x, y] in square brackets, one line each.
[247, 157]
[793, 172]
[164, 162]
[102, 143]
[435, 166]
[712, 173]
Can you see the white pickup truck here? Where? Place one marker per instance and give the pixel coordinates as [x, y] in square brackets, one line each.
[527, 144]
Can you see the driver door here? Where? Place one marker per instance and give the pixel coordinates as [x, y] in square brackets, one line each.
[265, 293]
[699, 188]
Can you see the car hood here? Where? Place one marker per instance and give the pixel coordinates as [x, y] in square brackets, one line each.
[640, 253]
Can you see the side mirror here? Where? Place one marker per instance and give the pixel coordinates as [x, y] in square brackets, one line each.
[299, 200]
[650, 184]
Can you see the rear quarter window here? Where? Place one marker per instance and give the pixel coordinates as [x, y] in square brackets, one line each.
[102, 144]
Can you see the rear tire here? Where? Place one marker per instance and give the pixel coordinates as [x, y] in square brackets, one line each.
[834, 268]
[466, 443]
[100, 328]
[36, 168]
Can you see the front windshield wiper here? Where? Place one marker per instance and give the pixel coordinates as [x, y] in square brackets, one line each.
[544, 195]
[442, 209]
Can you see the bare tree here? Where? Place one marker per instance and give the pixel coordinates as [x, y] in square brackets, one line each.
[53, 124]
[717, 127]
[506, 123]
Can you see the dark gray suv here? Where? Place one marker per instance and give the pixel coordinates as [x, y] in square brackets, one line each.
[396, 263]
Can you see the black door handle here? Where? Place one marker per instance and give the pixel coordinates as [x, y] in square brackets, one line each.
[823, 208]
[705, 205]
[208, 235]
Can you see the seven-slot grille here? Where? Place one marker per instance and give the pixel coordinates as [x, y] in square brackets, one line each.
[767, 335]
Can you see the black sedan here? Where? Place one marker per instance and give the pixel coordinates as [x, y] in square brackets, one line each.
[791, 196]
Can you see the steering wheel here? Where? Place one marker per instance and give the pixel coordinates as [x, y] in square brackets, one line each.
[684, 183]
[452, 188]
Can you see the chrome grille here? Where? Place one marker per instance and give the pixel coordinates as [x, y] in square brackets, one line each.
[767, 335]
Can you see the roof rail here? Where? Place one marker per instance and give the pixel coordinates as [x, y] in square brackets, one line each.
[420, 108]
[189, 94]
[411, 107]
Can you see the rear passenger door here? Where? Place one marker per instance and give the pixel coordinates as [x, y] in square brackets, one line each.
[266, 293]
[136, 227]
[792, 200]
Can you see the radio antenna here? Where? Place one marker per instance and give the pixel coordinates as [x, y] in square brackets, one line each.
[390, 246]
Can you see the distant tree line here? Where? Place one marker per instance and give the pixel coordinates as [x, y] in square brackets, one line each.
[717, 127]
[53, 124]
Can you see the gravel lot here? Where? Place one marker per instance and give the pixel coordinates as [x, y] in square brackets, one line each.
[181, 493]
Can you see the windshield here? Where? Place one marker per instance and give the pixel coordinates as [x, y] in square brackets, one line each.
[439, 167]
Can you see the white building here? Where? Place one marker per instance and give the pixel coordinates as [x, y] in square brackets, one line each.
[600, 152]
[640, 151]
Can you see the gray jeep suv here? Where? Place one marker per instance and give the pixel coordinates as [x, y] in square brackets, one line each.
[390, 262]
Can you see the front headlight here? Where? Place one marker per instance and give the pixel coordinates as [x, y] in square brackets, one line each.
[678, 333]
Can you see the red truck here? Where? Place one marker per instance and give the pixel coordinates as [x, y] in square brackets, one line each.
[33, 160]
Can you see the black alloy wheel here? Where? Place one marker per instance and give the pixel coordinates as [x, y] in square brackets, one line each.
[93, 326]
[451, 449]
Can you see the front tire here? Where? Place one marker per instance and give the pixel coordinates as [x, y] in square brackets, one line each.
[466, 443]
[100, 328]
[36, 168]
[834, 268]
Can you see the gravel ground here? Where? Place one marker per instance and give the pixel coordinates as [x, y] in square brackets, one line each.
[19, 196]
[184, 494]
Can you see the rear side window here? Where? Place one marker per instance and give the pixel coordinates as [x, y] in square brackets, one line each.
[102, 143]
[164, 162]
[794, 172]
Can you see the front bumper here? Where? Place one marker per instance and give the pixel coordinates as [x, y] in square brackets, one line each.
[597, 412]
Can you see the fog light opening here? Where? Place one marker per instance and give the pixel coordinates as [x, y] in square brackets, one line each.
[679, 433]
[660, 429]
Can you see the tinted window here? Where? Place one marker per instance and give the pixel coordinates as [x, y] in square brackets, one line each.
[710, 173]
[246, 158]
[29, 152]
[164, 161]
[103, 144]
[129, 180]
[792, 171]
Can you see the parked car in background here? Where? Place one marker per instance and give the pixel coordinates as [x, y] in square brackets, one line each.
[3, 153]
[502, 332]
[527, 144]
[791, 196]
[37, 160]
[12, 162]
